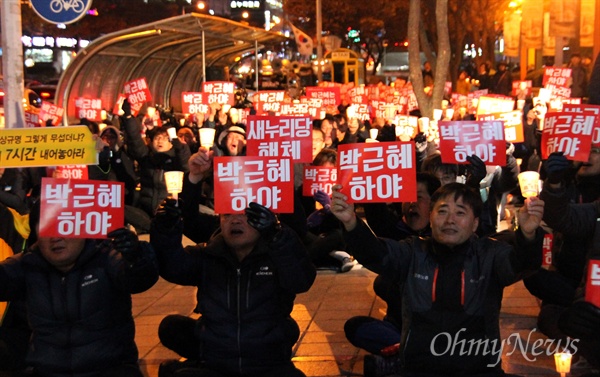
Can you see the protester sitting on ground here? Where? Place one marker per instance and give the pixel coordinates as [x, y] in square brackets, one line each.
[453, 275]
[254, 259]
[163, 154]
[120, 165]
[78, 299]
[395, 222]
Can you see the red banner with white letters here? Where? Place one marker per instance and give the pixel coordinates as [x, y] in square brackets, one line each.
[51, 111]
[581, 108]
[221, 92]
[88, 108]
[241, 180]
[460, 139]
[289, 137]
[378, 172]
[570, 133]
[592, 284]
[81, 208]
[137, 93]
[318, 178]
[194, 103]
[267, 101]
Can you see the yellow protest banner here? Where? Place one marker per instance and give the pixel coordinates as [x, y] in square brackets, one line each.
[47, 146]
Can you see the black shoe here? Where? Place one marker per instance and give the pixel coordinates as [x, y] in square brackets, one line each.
[380, 366]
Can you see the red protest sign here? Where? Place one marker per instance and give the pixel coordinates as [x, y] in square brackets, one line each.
[513, 124]
[138, 93]
[318, 178]
[460, 139]
[51, 111]
[193, 103]
[71, 172]
[330, 96]
[81, 209]
[521, 89]
[32, 120]
[592, 284]
[556, 77]
[266, 180]
[581, 108]
[268, 101]
[378, 172]
[570, 133]
[304, 108]
[289, 137]
[89, 108]
[221, 92]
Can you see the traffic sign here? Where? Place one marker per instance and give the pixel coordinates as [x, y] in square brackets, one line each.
[61, 11]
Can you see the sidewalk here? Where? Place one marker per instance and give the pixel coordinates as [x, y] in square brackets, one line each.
[322, 349]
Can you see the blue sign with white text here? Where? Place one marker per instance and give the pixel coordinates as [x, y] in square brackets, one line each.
[61, 11]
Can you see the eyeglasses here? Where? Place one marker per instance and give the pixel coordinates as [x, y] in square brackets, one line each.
[161, 138]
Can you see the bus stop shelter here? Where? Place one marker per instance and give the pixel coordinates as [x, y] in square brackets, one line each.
[174, 55]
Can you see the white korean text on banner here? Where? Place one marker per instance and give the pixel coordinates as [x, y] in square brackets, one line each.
[513, 124]
[47, 146]
[137, 93]
[289, 137]
[581, 108]
[81, 209]
[265, 180]
[377, 172]
[318, 178]
[460, 139]
[50, 111]
[194, 103]
[570, 133]
[221, 92]
[89, 108]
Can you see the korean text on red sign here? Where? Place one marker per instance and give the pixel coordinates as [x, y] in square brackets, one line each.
[273, 136]
[556, 76]
[267, 101]
[318, 178]
[592, 285]
[581, 108]
[241, 180]
[138, 93]
[194, 103]
[50, 111]
[377, 172]
[329, 96]
[89, 108]
[460, 139]
[80, 209]
[221, 92]
[570, 133]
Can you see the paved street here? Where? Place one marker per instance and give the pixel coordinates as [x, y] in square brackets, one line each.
[322, 349]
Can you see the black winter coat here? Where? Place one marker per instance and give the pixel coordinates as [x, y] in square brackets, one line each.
[81, 320]
[246, 325]
[153, 165]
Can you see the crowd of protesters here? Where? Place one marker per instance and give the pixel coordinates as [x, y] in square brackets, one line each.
[441, 260]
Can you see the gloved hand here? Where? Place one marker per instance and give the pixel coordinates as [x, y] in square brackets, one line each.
[168, 214]
[475, 171]
[556, 167]
[323, 198]
[126, 107]
[262, 219]
[581, 320]
[125, 242]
